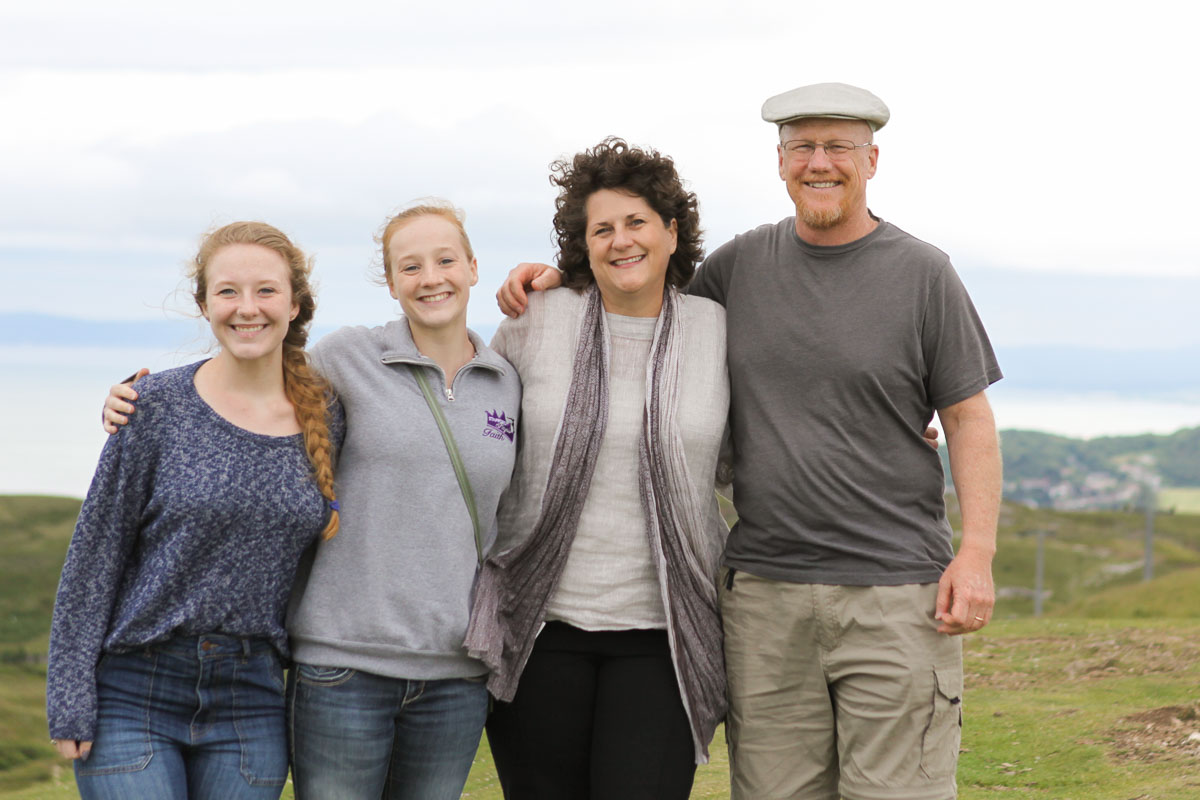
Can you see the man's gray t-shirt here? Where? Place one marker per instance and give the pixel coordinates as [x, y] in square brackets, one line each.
[838, 357]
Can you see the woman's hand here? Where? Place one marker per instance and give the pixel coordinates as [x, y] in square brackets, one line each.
[119, 403]
[931, 437]
[72, 748]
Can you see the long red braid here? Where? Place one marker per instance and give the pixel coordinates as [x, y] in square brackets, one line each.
[306, 390]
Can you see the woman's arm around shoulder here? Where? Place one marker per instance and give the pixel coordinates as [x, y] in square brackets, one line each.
[519, 339]
[335, 417]
[328, 353]
[707, 319]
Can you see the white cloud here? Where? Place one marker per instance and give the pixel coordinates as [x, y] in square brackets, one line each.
[1032, 136]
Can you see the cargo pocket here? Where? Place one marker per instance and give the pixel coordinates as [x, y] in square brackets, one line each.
[939, 743]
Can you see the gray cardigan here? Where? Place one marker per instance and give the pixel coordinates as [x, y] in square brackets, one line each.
[391, 593]
[541, 343]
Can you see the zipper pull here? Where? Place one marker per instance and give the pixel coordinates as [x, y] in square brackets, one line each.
[449, 394]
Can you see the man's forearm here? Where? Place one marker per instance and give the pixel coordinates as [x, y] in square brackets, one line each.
[975, 466]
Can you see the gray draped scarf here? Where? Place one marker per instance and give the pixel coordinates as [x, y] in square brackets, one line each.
[514, 587]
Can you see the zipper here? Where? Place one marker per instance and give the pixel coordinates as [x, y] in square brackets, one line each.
[422, 361]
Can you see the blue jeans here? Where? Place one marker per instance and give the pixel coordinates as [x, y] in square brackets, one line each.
[358, 735]
[199, 717]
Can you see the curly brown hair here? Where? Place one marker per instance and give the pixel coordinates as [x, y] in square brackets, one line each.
[644, 172]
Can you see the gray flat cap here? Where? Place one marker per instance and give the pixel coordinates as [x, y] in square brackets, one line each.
[838, 100]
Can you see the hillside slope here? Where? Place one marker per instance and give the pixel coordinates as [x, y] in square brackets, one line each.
[34, 533]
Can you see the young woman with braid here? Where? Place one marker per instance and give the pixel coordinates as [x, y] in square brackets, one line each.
[384, 700]
[165, 676]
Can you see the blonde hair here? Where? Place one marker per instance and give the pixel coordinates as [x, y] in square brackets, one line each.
[425, 207]
[306, 390]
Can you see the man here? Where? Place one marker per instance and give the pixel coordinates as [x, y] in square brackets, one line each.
[842, 598]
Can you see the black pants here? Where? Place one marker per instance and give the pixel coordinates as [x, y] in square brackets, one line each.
[597, 716]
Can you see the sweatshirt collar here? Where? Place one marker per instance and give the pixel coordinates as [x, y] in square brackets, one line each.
[401, 349]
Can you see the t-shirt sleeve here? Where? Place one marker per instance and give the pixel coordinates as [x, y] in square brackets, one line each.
[959, 359]
[100, 549]
[712, 278]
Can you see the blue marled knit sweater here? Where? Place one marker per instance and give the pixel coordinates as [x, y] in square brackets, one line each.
[192, 525]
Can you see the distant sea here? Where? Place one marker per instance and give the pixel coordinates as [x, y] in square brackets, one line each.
[50, 400]
[51, 434]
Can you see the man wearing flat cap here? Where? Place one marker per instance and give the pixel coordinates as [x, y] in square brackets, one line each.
[842, 597]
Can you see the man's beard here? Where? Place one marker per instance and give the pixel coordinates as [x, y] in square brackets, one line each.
[823, 219]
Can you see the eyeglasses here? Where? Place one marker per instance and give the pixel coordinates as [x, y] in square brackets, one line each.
[837, 150]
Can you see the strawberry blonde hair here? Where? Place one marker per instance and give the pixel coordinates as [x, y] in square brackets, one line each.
[425, 207]
[306, 390]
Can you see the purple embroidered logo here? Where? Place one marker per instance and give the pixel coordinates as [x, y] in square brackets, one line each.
[500, 427]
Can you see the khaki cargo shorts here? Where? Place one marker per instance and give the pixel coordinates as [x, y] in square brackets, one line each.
[839, 691]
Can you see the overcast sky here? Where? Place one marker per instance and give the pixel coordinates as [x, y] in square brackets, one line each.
[1046, 146]
[1032, 138]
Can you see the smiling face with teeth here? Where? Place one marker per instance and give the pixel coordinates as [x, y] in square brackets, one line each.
[629, 247]
[830, 196]
[248, 301]
[430, 273]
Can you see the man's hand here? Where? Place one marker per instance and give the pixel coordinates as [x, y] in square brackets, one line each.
[535, 276]
[72, 748]
[966, 594]
[119, 403]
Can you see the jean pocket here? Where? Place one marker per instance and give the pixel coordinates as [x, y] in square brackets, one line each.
[123, 682]
[260, 719]
[116, 751]
[940, 742]
[323, 676]
[275, 674]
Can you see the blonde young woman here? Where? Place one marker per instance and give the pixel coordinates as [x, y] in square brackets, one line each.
[165, 677]
[385, 701]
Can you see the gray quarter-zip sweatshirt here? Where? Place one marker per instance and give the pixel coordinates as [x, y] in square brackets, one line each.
[391, 593]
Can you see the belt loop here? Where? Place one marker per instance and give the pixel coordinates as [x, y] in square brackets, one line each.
[245, 648]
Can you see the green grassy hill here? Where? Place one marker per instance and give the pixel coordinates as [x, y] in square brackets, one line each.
[1033, 454]
[1094, 702]
[1086, 553]
[1049, 471]
[1174, 596]
[34, 532]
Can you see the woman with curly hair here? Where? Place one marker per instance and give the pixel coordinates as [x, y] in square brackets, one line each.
[165, 676]
[598, 613]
